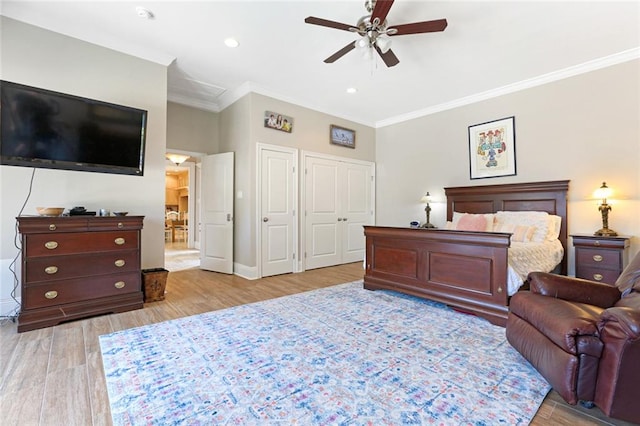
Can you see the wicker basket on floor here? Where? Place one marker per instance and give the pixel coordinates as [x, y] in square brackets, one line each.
[154, 282]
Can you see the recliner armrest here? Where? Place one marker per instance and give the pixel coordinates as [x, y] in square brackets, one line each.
[626, 320]
[573, 289]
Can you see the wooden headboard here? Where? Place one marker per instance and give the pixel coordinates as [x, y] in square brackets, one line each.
[550, 197]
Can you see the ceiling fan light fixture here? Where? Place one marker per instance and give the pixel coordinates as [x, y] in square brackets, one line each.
[367, 54]
[384, 43]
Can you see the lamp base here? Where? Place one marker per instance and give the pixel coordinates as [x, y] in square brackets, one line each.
[605, 232]
[427, 225]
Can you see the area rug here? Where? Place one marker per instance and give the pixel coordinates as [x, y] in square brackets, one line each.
[340, 355]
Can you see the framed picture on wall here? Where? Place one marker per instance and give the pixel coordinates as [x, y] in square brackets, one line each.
[277, 121]
[492, 148]
[342, 136]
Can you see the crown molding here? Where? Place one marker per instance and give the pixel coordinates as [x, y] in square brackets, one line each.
[195, 103]
[596, 64]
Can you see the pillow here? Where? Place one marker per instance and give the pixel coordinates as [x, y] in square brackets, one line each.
[539, 220]
[555, 223]
[472, 222]
[520, 233]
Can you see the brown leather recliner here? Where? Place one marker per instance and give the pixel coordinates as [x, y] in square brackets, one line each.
[583, 337]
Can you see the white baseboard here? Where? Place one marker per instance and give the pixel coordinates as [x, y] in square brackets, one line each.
[247, 272]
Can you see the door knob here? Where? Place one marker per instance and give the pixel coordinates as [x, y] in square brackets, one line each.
[265, 219]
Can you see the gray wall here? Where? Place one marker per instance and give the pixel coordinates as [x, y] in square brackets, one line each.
[192, 129]
[65, 64]
[584, 128]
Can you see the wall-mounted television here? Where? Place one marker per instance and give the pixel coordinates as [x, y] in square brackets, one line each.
[43, 128]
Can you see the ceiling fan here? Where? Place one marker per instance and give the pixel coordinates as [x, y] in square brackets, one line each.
[375, 31]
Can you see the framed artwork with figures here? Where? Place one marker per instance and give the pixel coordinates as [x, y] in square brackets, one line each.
[492, 149]
[341, 136]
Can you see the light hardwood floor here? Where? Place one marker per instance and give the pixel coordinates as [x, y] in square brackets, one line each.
[54, 376]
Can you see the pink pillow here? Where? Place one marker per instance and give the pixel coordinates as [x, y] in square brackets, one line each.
[472, 222]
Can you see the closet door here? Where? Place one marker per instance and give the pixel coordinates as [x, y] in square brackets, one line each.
[322, 231]
[357, 209]
[338, 203]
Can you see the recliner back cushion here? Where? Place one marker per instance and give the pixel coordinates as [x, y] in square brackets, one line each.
[629, 280]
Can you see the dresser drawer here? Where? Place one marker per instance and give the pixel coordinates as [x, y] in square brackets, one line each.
[599, 258]
[38, 225]
[59, 292]
[53, 268]
[114, 223]
[79, 242]
[608, 276]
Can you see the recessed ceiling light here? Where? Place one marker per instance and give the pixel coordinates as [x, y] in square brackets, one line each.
[352, 90]
[231, 42]
[144, 13]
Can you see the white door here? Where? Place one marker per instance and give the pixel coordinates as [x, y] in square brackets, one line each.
[357, 209]
[339, 202]
[277, 204]
[216, 247]
[322, 216]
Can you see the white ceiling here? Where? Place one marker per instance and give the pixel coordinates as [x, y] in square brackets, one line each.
[489, 47]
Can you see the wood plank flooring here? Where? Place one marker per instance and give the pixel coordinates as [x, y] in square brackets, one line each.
[54, 376]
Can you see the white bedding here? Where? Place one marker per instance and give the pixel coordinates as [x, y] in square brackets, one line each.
[528, 257]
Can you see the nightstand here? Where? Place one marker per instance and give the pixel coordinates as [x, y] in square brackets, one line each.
[600, 258]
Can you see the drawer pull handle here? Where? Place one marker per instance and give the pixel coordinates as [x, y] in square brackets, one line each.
[597, 258]
[597, 277]
[596, 243]
[499, 289]
[119, 241]
[119, 263]
[51, 294]
[51, 270]
[51, 245]
[120, 225]
[119, 284]
[52, 227]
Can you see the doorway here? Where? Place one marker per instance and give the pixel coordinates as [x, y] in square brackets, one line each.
[181, 231]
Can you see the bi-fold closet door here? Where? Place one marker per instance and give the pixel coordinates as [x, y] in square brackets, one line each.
[338, 201]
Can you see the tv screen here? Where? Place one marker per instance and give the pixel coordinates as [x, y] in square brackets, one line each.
[42, 128]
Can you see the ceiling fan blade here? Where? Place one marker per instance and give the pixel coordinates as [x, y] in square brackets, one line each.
[326, 23]
[389, 58]
[381, 10]
[420, 27]
[340, 53]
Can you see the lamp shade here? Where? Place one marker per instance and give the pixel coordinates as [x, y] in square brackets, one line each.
[426, 198]
[603, 192]
[384, 43]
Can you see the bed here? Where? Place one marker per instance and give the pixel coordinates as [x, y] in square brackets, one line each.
[468, 270]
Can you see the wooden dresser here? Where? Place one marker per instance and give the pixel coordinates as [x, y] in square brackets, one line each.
[600, 258]
[78, 266]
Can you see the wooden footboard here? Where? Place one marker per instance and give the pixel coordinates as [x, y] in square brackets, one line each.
[466, 270]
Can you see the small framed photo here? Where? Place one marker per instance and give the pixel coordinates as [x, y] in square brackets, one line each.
[276, 121]
[342, 136]
[492, 149]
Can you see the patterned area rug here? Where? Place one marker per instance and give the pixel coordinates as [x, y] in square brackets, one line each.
[339, 355]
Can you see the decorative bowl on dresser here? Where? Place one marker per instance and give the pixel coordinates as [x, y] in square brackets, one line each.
[600, 258]
[78, 266]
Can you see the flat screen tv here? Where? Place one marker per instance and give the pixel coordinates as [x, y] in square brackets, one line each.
[42, 128]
